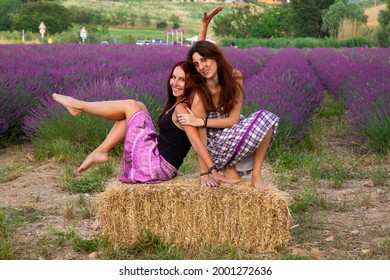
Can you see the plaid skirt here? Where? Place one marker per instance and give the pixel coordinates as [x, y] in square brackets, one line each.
[235, 146]
[142, 161]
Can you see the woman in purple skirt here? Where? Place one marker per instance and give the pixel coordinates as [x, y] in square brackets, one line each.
[149, 157]
[237, 146]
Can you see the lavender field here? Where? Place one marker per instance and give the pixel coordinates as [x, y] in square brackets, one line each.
[330, 155]
[289, 82]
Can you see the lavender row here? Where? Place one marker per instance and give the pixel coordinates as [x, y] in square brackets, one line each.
[369, 105]
[249, 61]
[288, 87]
[29, 74]
[362, 83]
[378, 56]
[279, 81]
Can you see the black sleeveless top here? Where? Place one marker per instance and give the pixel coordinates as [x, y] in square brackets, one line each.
[173, 142]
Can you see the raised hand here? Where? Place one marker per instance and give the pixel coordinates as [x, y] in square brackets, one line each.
[207, 17]
[205, 22]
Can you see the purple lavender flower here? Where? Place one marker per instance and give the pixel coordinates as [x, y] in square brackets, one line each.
[289, 88]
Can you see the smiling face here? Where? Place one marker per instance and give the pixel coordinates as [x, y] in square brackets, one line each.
[178, 82]
[207, 67]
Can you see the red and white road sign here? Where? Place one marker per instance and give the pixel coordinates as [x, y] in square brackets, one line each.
[42, 26]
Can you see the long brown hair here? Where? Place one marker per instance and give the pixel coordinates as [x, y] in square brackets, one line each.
[188, 87]
[230, 84]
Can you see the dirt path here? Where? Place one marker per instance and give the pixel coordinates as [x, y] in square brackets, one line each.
[33, 188]
[372, 14]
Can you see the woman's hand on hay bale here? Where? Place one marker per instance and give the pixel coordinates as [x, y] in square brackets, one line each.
[208, 181]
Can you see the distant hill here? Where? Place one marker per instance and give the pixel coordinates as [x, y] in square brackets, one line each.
[189, 13]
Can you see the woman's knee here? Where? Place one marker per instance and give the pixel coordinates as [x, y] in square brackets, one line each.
[142, 106]
[134, 106]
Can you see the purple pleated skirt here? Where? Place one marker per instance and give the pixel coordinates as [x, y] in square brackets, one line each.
[142, 161]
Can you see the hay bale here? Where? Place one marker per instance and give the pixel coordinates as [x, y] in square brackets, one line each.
[184, 213]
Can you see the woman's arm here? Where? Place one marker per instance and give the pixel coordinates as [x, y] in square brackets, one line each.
[199, 110]
[205, 22]
[201, 150]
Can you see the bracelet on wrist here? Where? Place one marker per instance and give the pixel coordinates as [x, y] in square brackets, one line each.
[214, 167]
[205, 122]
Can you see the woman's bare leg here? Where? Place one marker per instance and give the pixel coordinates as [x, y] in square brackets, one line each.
[112, 110]
[258, 161]
[100, 154]
[119, 110]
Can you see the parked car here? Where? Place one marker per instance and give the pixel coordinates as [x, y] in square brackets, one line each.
[143, 42]
[158, 42]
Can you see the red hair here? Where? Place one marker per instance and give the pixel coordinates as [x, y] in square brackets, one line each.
[188, 87]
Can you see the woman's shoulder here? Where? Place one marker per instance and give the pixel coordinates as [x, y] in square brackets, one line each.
[181, 106]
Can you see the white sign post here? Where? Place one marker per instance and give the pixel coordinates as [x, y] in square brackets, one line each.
[42, 29]
[83, 34]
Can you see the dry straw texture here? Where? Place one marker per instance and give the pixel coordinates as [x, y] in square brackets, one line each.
[185, 214]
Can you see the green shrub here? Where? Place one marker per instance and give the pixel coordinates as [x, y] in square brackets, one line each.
[278, 43]
[378, 135]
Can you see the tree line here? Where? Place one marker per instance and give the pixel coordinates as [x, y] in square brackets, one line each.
[299, 18]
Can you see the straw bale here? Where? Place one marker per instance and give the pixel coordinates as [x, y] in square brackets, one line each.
[182, 212]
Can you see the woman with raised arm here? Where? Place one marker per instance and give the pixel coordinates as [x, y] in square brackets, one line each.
[148, 156]
[237, 146]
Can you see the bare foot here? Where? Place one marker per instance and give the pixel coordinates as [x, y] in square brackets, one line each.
[67, 102]
[95, 157]
[225, 179]
[259, 183]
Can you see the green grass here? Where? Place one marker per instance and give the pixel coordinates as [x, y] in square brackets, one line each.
[6, 246]
[8, 172]
[11, 218]
[84, 245]
[190, 164]
[67, 138]
[308, 199]
[27, 214]
[306, 227]
[149, 247]
[385, 246]
[90, 183]
[378, 135]
[380, 175]
[152, 247]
